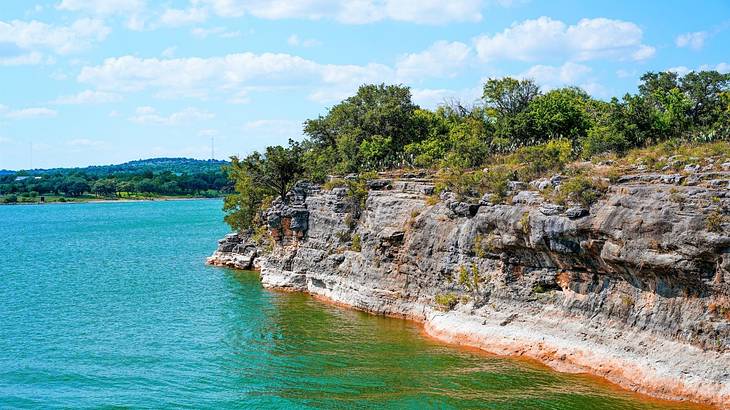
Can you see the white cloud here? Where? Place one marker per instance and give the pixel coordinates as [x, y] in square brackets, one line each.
[681, 70]
[442, 59]
[179, 17]
[149, 115]
[27, 113]
[32, 58]
[684, 70]
[567, 74]
[103, 7]
[351, 11]
[221, 32]
[295, 41]
[551, 76]
[169, 52]
[544, 37]
[88, 97]
[694, 40]
[233, 75]
[432, 98]
[35, 35]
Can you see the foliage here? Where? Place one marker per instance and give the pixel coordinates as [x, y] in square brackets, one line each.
[356, 243]
[517, 129]
[446, 301]
[537, 160]
[714, 221]
[579, 189]
[76, 183]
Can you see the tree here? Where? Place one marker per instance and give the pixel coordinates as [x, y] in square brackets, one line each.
[560, 113]
[277, 169]
[508, 96]
[104, 187]
[378, 118]
[257, 179]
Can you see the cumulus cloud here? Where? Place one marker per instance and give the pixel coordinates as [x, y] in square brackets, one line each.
[589, 39]
[35, 35]
[442, 59]
[433, 97]
[179, 17]
[233, 75]
[351, 11]
[694, 40]
[27, 113]
[295, 41]
[221, 32]
[149, 115]
[32, 58]
[103, 7]
[88, 97]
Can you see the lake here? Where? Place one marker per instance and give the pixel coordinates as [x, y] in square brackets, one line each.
[106, 305]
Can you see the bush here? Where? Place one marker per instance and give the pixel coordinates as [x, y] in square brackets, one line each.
[714, 221]
[601, 140]
[10, 199]
[538, 160]
[580, 189]
[446, 301]
[356, 243]
[495, 182]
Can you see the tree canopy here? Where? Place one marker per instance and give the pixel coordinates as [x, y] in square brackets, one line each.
[381, 128]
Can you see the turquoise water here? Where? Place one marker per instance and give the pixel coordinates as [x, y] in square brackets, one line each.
[110, 305]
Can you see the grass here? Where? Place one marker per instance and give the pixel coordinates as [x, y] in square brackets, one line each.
[446, 301]
[714, 221]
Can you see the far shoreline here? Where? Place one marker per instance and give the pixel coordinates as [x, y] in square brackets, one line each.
[110, 201]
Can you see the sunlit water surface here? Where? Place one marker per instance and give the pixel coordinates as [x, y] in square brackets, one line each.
[106, 305]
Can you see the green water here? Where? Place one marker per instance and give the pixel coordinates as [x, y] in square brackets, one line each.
[106, 305]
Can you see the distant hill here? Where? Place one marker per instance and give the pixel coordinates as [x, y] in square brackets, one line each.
[156, 165]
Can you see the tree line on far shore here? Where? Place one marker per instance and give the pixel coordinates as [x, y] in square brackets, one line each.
[25, 187]
[380, 128]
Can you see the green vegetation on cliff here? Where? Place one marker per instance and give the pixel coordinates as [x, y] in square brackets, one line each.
[517, 130]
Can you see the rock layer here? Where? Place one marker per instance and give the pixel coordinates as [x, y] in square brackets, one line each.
[635, 289]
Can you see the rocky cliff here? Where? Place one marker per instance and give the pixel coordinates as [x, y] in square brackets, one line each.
[635, 288]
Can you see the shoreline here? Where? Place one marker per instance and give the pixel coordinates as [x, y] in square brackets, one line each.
[620, 356]
[437, 330]
[523, 353]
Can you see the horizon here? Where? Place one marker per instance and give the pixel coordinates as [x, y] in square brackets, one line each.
[98, 82]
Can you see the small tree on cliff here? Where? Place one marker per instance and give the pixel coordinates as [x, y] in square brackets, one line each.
[259, 178]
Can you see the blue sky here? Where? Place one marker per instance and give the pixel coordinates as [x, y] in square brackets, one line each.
[106, 81]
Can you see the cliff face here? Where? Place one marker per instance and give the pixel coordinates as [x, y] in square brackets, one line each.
[636, 288]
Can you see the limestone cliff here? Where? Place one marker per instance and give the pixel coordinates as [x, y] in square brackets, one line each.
[635, 289]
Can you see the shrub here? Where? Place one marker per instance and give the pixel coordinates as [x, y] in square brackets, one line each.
[525, 223]
[356, 243]
[541, 159]
[580, 189]
[469, 279]
[602, 140]
[714, 221]
[446, 301]
[10, 199]
[495, 181]
[334, 183]
[432, 200]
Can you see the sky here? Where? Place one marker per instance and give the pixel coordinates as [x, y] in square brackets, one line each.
[92, 82]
